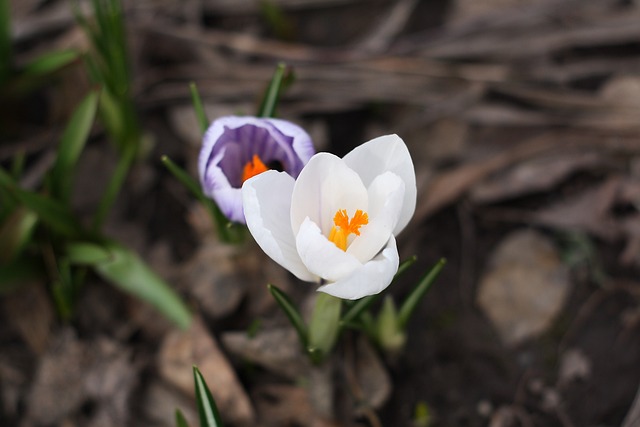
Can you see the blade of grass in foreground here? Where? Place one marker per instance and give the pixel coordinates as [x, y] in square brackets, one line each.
[127, 271]
[272, 94]
[6, 56]
[292, 313]
[201, 115]
[209, 415]
[73, 141]
[410, 304]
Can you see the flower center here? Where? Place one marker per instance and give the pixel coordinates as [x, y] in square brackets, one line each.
[344, 227]
[253, 167]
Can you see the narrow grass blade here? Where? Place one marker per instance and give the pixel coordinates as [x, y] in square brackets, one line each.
[181, 421]
[292, 313]
[410, 304]
[355, 310]
[201, 115]
[405, 266]
[209, 415]
[113, 187]
[50, 62]
[50, 211]
[15, 233]
[6, 56]
[71, 145]
[227, 231]
[272, 94]
[126, 270]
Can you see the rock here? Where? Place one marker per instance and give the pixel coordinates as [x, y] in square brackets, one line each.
[161, 402]
[98, 373]
[524, 287]
[181, 350]
[277, 350]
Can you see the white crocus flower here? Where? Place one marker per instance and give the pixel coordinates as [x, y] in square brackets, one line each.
[336, 224]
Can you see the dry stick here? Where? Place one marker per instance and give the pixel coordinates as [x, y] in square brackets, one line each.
[381, 36]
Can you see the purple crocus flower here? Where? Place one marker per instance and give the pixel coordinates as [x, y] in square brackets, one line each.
[237, 148]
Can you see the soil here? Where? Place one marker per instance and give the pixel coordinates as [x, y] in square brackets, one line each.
[479, 94]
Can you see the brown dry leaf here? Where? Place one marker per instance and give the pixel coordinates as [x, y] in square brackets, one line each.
[277, 350]
[30, 312]
[524, 287]
[283, 405]
[448, 186]
[181, 350]
[371, 377]
[538, 174]
[588, 211]
[73, 372]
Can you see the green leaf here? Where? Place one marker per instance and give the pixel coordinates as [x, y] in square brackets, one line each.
[19, 272]
[355, 310]
[292, 313]
[126, 270]
[389, 334]
[324, 326]
[15, 233]
[410, 304]
[71, 145]
[113, 187]
[6, 54]
[201, 115]
[50, 211]
[209, 416]
[181, 421]
[227, 231]
[50, 62]
[272, 94]
[405, 266]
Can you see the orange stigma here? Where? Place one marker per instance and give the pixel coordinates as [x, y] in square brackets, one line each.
[253, 167]
[343, 227]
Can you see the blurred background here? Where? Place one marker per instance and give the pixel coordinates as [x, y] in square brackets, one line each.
[523, 121]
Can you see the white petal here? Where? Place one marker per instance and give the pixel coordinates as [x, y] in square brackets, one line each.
[372, 278]
[387, 153]
[324, 186]
[267, 203]
[386, 193]
[321, 256]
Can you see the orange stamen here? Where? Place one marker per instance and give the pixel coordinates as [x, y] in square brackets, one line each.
[343, 227]
[253, 168]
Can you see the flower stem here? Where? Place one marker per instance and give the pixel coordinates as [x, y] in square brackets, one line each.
[324, 326]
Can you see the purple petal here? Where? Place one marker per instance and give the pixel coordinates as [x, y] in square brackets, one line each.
[231, 142]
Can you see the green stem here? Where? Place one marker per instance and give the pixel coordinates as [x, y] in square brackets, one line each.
[324, 327]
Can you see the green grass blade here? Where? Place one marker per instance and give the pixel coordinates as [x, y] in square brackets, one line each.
[355, 310]
[292, 313]
[6, 54]
[50, 211]
[126, 270]
[201, 115]
[50, 62]
[113, 187]
[410, 304]
[227, 231]
[71, 145]
[181, 421]
[15, 233]
[272, 94]
[209, 415]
